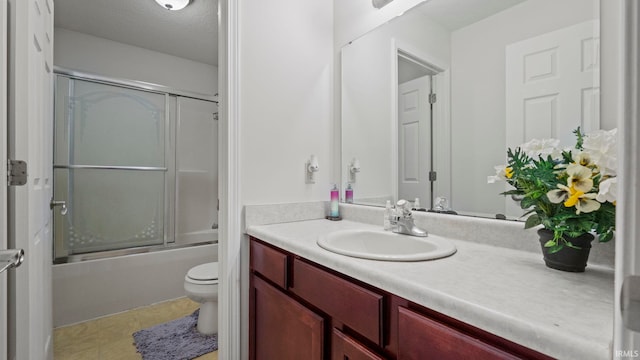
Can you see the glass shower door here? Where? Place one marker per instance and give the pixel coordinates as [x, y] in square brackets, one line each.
[109, 167]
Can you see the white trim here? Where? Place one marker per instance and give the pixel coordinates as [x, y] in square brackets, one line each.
[628, 209]
[394, 119]
[3, 175]
[442, 136]
[230, 336]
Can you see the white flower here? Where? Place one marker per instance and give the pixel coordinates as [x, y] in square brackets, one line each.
[601, 146]
[608, 190]
[582, 158]
[542, 148]
[584, 203]
[503, 172]
[579, 178]
[560, 194]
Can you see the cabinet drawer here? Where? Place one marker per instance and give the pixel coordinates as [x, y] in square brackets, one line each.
[420, 338]
[270, 263]
[356, 307]
[344, 347]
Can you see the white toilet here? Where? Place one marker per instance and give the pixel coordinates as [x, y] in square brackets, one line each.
[201, 285]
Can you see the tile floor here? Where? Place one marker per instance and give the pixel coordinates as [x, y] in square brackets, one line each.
[110, 337]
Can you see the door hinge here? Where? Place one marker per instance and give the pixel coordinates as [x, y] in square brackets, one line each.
[432, 98]
[433, 175]
[16, 172]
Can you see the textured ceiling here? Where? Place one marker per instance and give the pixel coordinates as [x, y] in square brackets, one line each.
[190, 33]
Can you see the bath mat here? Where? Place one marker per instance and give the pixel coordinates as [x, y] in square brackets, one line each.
[175, 340]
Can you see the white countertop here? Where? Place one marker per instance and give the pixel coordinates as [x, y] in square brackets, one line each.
[509, 293]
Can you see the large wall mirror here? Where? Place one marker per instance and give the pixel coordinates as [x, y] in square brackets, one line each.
[432, 99]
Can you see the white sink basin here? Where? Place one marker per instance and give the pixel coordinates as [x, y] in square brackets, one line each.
[386, 245]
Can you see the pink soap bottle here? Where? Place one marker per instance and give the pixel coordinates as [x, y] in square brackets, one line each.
[335, 197]
[348, 194]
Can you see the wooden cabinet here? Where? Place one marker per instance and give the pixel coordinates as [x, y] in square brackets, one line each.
[301, 310]
[270, 263]
[421, 338]
[343, 347]
[282, 328]
[354, 306]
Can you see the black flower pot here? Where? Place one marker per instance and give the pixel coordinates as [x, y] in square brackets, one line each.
[567, 259]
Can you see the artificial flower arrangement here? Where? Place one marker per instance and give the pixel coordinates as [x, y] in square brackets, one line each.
[568, 191]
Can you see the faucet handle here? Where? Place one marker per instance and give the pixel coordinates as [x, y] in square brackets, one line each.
[404, 205]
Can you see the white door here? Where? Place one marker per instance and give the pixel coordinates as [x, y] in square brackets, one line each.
[3, 175]
[30, 139]
[549, 79]
[414, 134]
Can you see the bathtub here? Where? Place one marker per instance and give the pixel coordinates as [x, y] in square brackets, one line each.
[90, 289]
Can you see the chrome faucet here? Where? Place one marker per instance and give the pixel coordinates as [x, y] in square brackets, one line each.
[402, 220]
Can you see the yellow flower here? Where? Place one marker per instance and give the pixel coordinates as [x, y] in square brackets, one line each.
[574, 197]
[586, 203]
[508, 172]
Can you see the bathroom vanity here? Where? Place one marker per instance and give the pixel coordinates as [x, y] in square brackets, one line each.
[484, 302]
[301, 310]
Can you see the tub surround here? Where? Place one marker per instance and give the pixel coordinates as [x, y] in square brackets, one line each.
[493, 282]
[90, 289]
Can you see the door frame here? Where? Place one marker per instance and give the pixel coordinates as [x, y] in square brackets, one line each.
[628, 228]
[3, 175]
[233, 336]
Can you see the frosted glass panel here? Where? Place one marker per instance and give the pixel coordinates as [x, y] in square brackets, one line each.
[197, 169]
[135, 168]
[110, 125]
[111, 209]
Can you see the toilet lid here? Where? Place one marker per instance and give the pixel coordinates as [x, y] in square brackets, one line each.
[208, 271]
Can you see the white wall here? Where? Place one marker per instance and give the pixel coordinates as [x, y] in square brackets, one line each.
[353, 19]
[285, 100]
[478, 93]
[86, 53]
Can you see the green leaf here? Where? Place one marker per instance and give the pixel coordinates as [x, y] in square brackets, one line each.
[533, 220]
[555, 249]
[550, 243]
[569, 244]
[527, 202]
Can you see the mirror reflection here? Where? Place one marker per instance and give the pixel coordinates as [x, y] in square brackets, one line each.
[432, 99]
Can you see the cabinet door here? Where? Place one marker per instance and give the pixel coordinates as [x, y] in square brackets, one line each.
[281, 328]
[420, 338]
[345, 348]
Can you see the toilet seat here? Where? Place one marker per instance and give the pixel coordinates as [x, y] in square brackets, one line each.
[204, 274]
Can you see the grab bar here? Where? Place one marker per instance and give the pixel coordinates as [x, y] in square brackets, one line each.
[111, 167]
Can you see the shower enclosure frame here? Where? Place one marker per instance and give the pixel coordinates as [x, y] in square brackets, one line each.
[171, 196]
